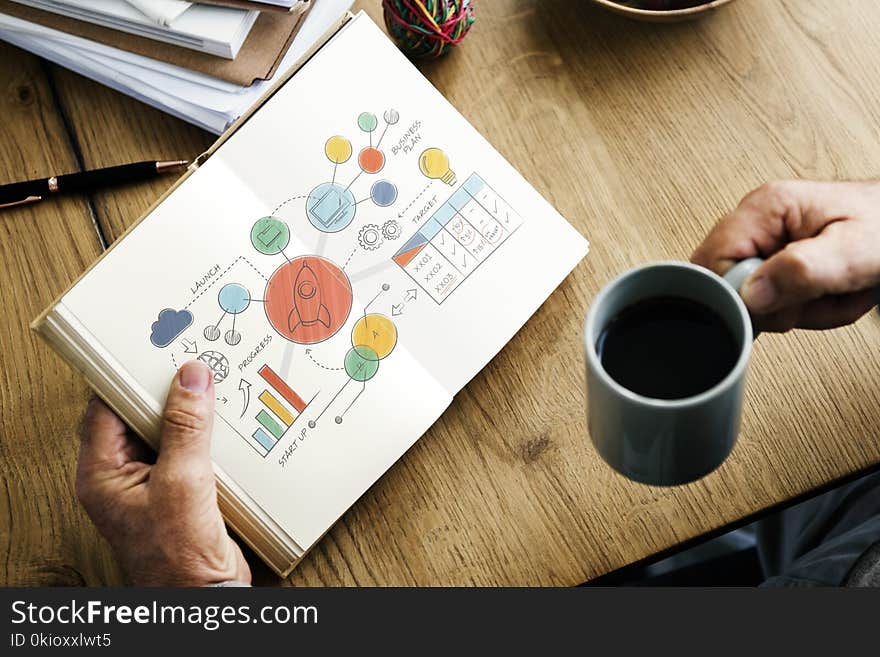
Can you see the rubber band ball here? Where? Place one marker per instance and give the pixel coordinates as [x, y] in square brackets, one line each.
[428, 28]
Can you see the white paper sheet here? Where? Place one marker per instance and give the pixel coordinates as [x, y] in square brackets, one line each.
[161, 12]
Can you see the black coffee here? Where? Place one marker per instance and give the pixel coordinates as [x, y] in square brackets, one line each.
[667, 348]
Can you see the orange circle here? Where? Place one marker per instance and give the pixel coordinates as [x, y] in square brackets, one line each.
[371, 160]
[308, 299]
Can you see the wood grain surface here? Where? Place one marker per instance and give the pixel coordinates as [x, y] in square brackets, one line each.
[642, 136]
[45, 538]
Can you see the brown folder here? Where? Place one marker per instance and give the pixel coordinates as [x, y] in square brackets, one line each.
[252, 4]
[258, 59]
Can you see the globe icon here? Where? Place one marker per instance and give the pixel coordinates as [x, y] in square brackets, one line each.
[217, 362]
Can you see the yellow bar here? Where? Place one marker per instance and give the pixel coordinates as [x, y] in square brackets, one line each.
[275, 406]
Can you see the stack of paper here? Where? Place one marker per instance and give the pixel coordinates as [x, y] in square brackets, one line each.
[219, 31]
[204, 100]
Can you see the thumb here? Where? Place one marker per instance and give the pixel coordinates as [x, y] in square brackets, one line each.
[803, 271]
[185, 440]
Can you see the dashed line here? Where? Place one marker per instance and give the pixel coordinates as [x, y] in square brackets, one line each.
[221, 275]
[174, 360]
[292, 198]
[261, 275]
[349, 258]
[403, 212]
[324, 367]
[212, 283]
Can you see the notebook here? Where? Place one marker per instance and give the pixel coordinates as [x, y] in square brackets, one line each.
[345, 259]
[218, 31]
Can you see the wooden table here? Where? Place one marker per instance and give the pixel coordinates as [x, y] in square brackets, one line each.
[641, 135]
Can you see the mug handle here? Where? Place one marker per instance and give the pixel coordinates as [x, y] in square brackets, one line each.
[738, 274]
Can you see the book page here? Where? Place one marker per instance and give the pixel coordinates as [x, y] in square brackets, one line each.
[344, 263]
[404, 191]
[303, 423]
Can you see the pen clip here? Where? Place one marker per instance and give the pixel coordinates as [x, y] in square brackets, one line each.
[24, 201]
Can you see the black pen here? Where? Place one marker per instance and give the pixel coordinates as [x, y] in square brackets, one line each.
[33, 191]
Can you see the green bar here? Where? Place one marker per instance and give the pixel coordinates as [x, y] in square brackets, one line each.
[270, 425]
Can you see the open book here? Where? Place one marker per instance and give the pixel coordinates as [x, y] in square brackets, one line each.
[345, 259]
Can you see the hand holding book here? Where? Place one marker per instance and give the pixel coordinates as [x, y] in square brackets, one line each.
[344, 266]
[151, 508]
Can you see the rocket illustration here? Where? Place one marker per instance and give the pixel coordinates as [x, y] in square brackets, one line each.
[307, 307]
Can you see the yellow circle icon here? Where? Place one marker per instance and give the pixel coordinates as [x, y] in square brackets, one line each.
[337, 149]
[376, 332]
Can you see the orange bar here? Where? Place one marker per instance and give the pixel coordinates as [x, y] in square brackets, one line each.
[282, 388]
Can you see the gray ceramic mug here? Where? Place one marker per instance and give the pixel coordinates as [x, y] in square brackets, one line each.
[668, 442]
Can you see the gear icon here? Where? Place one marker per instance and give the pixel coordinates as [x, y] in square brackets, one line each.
[391, 229]
[369, 237]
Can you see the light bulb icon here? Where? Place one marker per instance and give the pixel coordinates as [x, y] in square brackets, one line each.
[434, 164]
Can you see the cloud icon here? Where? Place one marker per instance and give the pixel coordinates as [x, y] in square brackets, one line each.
[169, 325]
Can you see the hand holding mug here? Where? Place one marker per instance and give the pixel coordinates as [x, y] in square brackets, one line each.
[822, 245]
[800, 254]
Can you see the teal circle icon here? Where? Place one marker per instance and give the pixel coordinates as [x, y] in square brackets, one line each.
[270, 236]
[367, 122]
[361, 363]
[330, 207]
[234, 298]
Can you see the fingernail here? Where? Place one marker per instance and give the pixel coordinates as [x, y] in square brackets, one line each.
[195, 376]
[759, 294]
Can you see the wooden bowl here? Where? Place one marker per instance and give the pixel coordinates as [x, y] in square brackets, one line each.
[662, 15]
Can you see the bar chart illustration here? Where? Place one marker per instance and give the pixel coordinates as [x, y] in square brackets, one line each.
[457, 238]
[280, 406]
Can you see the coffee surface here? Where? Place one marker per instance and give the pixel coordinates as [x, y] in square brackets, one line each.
[667, 348]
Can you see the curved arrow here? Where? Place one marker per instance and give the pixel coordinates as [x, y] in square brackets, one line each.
[332, 369]
[245, 387]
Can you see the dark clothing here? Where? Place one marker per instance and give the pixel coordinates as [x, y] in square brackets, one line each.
[832, 540]
[866, 572]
